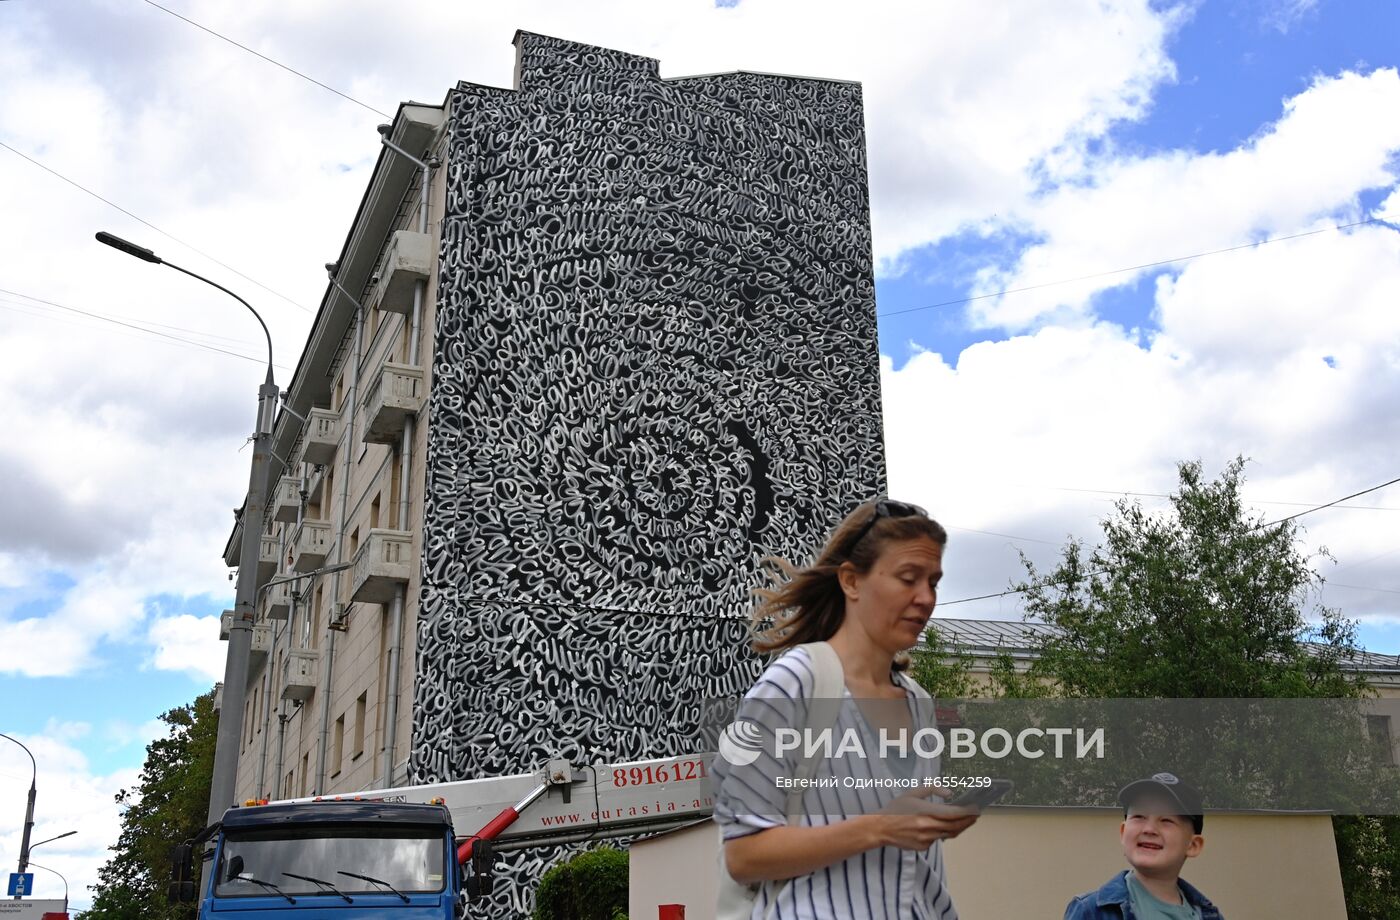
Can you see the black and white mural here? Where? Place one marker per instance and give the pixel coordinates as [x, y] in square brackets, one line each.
[655, 365]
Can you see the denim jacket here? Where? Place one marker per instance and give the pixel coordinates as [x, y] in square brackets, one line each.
[1111, 902]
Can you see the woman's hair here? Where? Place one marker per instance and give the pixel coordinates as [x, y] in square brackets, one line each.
[809, 606]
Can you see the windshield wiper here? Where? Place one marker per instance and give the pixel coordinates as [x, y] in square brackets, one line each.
[258, 881]
[376, 881]
[323, 882]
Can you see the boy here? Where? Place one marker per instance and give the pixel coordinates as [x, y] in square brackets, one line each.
[1162, 821]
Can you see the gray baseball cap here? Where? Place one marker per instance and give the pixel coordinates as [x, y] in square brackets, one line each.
[1187, 798]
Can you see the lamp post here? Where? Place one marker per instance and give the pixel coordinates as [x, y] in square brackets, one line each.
[61, 876]
[240, 634]
[36, 846]
[29, 808]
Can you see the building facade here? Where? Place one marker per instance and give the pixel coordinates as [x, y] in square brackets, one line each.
[594, 348]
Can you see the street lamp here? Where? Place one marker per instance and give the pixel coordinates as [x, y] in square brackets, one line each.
[60, 875]
[29, 809]
[35, 846]
[240, 633]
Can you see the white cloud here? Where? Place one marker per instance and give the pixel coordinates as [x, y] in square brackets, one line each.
[1333, 141]
[1282, 15]
[1389, 209]
[1277, 353]
[189, 643]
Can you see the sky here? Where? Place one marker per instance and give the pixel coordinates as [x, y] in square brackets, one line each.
[1039, 174]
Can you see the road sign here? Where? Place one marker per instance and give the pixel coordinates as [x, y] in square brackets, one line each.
[20, 885]
[32, 909]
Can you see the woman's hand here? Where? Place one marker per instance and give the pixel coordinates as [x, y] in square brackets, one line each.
[912, 822]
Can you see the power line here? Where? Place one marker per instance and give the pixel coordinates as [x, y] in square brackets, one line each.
[1338, 584]
[107, 316]
[1337, 502]
[1006, 536]
[1131, 268]
[147, 223]
[268, 59]
[1252, 501]
[1047, 584]
[174, 338]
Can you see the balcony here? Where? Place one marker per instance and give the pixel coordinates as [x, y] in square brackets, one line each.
[310, 543]
[383, 563]
[269, 558]
[277, 601]
[300, 671]
[225, 621]
[393, 394]
[218, 696]
[259, 647]
[286, 499]
[321, 437]
[408, 260]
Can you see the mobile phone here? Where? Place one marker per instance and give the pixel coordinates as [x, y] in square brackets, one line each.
[982, 796]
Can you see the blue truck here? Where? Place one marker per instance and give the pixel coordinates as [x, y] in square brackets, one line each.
[367, 860]
[381, 855]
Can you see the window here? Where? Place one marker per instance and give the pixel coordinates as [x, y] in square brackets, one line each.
[374, 513]
[360, 725]
[305, 768]
[338, 746]
[287, 786]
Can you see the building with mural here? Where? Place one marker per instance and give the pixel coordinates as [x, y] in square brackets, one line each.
[594, 347]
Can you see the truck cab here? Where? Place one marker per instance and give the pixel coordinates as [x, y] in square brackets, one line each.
[353, 860]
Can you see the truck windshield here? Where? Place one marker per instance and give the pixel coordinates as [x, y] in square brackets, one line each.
[408, 858]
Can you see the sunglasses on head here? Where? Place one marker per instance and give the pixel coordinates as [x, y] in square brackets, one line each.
[888, 509]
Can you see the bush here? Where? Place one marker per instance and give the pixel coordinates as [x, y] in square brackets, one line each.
[588, 886]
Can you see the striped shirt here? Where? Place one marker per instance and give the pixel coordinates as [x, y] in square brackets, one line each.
[884, 883]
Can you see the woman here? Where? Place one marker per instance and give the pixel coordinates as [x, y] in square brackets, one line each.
[865, 845]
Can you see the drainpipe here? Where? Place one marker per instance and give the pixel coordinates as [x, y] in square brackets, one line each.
[282, 717]
[352, 404]
[268, 686]
[420, 289]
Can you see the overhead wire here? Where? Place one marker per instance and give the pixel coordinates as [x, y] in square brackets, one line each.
[142, 329]
[1253, 501]
[271, 61]
[144, 222]
[40, 303]
[1260, 526]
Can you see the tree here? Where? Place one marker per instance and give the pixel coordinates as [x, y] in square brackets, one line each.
[591, 885]
[1205, 601]
[169, 806]
[1208, 600]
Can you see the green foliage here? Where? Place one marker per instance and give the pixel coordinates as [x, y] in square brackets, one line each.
[1204, 601]
[169, 806]
[591, 885]
[942, 669]
[1369, 850]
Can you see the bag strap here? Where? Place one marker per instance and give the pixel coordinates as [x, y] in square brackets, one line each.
[823, 709]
